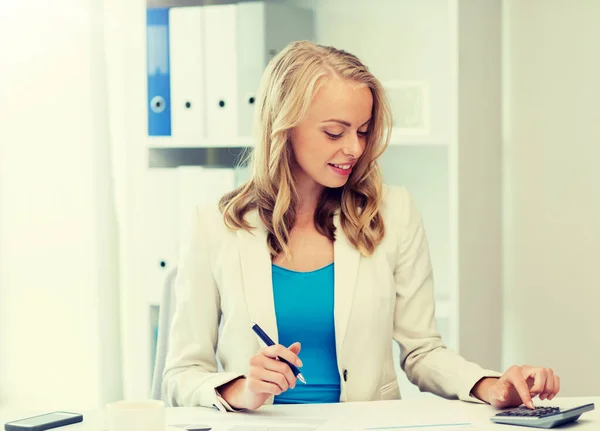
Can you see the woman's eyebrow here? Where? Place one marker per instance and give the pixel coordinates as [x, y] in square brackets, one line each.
[345, 123]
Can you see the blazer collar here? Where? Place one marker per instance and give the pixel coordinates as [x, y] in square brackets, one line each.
[258, 283]
[257, 275]
[347, 260]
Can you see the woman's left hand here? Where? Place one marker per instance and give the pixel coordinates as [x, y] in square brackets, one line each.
[518, 386]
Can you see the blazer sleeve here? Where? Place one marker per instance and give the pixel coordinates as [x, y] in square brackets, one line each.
[428, 363]
[190, 377]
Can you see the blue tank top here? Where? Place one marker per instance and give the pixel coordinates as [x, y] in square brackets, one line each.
[304, 311]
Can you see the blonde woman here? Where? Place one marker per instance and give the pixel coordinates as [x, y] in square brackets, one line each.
[331, 263]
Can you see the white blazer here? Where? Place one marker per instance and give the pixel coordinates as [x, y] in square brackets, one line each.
[226, 275]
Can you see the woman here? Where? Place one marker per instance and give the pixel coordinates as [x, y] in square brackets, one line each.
[326, 259]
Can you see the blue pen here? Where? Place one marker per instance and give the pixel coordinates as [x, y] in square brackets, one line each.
[267, 340]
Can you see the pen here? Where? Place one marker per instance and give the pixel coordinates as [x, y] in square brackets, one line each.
[267, 340]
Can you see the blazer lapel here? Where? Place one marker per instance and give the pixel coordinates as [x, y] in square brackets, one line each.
[258, 283]
[257, 276]
[347, 259]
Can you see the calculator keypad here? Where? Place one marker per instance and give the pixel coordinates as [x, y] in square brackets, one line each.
[538, 412]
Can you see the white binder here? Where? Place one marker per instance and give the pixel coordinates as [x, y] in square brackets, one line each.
[188, 112]
[251, 60]
[156, 240]
[221, 72]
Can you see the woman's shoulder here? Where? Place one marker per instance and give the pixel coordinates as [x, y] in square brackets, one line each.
[210, 214]
[208, 221]
[394, 198]
[398, 206]
[212, 221]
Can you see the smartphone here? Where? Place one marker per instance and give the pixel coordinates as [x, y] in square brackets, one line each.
[44, 422]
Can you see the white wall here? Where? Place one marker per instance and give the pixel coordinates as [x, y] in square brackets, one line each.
[397, 39]
[59, 340]
[552, 189]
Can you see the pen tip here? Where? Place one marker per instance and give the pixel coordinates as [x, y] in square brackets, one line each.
[301, 378]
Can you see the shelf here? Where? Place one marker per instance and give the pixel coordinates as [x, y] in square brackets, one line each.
[397, 139]
[212, 157]
[198, 142]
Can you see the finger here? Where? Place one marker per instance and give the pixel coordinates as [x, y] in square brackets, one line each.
[498, 394]
[528, 374]
[283, 352]
[261, 387]
[281, 368]
[539, 381]
[549, 386]
[556, 387]
[519, 383]
[270, 377]
[295, 348]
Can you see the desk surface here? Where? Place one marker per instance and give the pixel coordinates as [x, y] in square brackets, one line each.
[344, 416]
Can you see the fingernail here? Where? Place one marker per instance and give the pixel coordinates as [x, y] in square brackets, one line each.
[299, 362]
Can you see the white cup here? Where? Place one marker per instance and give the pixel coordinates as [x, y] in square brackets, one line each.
[147, 415]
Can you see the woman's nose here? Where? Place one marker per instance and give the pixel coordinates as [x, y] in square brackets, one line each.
[353, 147]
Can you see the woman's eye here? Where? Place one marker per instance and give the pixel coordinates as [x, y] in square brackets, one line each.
[333, 135]
[363, 134]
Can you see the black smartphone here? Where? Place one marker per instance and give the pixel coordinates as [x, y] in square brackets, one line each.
[44, 422]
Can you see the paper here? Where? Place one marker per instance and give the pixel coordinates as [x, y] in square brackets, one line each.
[250, 423]
[348, 426]
[272, 428]
[190, 427]
[433, 427]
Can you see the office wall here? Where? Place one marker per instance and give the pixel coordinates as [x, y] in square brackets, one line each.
[59, 340]
[552, 189]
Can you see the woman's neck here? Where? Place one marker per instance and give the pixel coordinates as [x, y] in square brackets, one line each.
[308, 199]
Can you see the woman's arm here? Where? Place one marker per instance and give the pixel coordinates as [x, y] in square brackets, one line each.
[190, 375]
[425, 359]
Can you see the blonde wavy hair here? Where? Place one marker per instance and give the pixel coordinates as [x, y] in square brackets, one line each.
[288, 86]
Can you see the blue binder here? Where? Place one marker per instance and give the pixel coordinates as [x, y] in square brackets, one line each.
[158, 68]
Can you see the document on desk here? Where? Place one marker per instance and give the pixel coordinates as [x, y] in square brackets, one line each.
[432, 427]
[346, 426]
[393, 416]
[328, 426]
[257, 424]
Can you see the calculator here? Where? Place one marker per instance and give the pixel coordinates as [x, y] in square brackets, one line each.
[541, 417]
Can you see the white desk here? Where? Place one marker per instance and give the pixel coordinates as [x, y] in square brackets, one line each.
[373, 414]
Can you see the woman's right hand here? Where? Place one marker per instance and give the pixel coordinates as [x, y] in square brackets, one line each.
[267, 376]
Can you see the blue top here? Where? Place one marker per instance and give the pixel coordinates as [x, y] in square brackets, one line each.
[304, 311]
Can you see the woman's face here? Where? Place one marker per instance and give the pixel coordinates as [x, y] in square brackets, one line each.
[332, 137]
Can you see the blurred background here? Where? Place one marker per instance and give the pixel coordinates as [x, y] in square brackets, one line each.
[118, 116]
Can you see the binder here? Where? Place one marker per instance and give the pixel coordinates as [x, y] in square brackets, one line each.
[158, 71]
[221, 71]
[156, 241]
[186, 36]
[251, 61]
